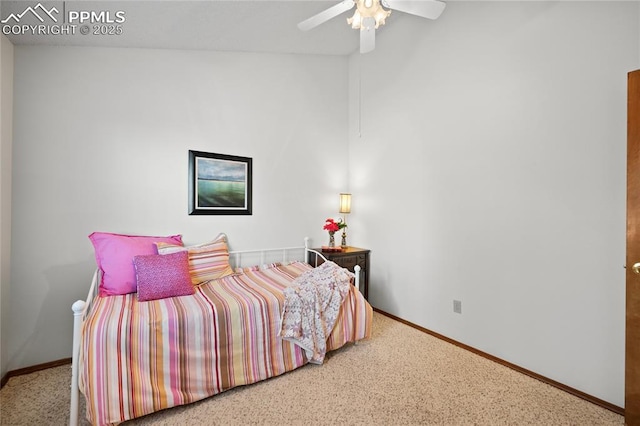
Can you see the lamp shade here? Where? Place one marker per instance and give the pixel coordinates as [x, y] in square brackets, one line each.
[345, 203]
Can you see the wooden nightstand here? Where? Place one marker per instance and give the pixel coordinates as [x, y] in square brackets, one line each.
[348, 258]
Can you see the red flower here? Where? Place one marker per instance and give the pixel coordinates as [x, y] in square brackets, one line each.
[333, 226]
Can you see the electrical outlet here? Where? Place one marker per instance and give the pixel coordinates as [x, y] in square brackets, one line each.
[457, 306]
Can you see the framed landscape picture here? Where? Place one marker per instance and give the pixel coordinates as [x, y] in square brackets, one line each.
[219, 184]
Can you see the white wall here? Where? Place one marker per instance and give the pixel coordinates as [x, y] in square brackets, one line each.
[6, 126]
[101, 138]
[491, 169]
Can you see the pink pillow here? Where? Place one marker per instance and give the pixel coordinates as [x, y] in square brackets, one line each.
[114, 255]
[159, 276]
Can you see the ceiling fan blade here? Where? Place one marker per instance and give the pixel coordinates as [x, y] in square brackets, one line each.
[325, 15]
[367, 35]
[430, 9]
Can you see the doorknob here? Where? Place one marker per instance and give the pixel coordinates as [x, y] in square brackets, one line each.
[636, 268]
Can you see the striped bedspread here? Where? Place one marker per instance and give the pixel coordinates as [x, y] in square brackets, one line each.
[141, 357]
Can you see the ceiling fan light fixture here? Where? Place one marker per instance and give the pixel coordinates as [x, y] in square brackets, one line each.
[355, 21]
[368, 9]
[370, 14]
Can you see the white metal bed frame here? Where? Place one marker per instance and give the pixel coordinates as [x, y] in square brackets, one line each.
[81, 307]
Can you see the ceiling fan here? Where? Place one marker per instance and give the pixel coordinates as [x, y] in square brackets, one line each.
[370, 14]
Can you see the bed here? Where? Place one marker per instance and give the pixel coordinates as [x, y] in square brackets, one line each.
[132, 357]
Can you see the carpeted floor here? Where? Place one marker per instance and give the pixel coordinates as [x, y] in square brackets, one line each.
[399, 376]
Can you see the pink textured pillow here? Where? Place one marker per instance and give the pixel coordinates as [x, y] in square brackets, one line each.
[114, 255]
[163, 276]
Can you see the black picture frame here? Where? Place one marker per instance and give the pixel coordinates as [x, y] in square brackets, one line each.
[220, 184]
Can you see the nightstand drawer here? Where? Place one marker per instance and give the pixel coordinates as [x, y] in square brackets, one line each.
[346, 261]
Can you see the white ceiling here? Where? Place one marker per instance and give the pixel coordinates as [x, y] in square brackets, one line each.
[239, 25]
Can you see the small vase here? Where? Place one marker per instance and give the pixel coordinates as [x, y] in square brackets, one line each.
[332, 241]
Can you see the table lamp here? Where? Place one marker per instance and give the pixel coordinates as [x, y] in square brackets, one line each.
[345, 209]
